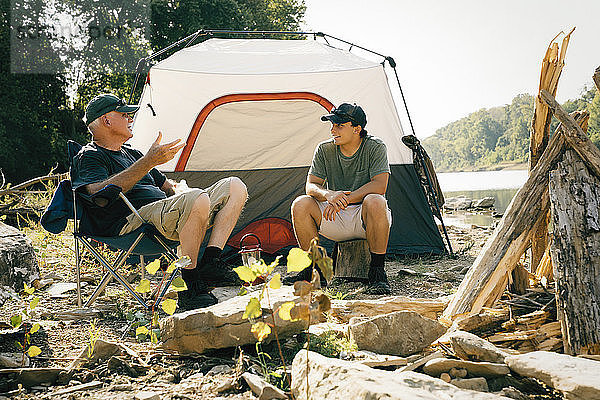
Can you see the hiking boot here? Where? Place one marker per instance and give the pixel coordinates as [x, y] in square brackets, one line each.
[196, 296]
[304, 275]
[218, 274]
[378, 282]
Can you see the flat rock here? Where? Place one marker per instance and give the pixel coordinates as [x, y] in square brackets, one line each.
[221, 326]
[401, 333]
[486, 202]
[478, 384]
[13, 360]
[29, 377]
[371, 359]
[346, 309]
[471, 347]
[437, 366]
[335, 379]
[576, 378]
[262, 389]
[58, 289]
[18, 264]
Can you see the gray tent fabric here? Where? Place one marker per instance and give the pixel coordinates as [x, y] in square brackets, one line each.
[272, 191]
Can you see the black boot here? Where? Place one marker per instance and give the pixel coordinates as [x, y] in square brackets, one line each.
[197, 294]
[378, 281]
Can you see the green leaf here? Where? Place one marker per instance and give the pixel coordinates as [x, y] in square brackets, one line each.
[275, 282]
[16, 320]
[143, 287]
[297, 260]
[326, 266]
[260, 330]
[154, 319]
[169, 306]
[284, 310]
[242, 291]
[34, 302]
[34, 328]
[178, 284]
[142, 330]
[153, 266]
[28, 290]
[253, 309]
[246, 274]
[154, 334]
[33, 351]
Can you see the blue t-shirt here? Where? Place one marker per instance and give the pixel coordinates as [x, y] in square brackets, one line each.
[95, 164]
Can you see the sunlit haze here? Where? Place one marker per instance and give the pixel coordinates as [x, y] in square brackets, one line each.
[455, 57]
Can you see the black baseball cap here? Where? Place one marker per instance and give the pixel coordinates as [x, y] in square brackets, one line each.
[105, 103]
[347, 112]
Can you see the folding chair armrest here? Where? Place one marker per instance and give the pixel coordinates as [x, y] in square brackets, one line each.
[102, 198]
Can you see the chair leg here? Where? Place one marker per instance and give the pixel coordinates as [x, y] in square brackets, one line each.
[143, 266]
[78, 272]
[112, 269]
[99, 289]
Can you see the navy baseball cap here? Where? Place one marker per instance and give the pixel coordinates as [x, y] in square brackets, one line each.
[347, 112]
[105, 103]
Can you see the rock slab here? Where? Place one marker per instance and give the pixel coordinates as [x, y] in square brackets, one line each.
[222, 326]
[346, 309]
[577, 378]
[438, 366]
[335, 379]
[471, 347]
[401, 333]
[18, 264]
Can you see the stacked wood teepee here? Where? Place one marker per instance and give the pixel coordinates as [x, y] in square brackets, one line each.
[563, 187]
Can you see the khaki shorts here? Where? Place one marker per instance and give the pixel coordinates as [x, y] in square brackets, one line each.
[348, 223]
[170, 215]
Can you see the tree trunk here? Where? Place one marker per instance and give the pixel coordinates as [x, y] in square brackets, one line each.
[575, 204]
[353, 260]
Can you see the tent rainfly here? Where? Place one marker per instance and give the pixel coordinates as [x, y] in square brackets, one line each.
[251, 108]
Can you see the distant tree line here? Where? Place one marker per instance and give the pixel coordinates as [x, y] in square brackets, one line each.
[488, 138]
[40, 112]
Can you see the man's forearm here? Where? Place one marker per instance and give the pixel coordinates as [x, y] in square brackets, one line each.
[318, 192]
[124, 179]
[372, 187]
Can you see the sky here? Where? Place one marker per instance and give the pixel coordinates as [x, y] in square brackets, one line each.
[455, 57]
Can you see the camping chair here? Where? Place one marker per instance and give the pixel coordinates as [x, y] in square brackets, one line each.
[145, 241]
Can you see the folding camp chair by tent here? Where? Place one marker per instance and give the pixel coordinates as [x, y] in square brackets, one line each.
[144, 242]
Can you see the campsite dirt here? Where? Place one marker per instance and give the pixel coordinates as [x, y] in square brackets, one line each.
[61, 339]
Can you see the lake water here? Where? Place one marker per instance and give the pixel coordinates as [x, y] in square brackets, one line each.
[502, 185]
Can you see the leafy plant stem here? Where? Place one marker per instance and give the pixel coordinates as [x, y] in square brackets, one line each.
[278, 344]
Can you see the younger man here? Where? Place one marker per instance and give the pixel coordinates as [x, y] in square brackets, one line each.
[345, 191]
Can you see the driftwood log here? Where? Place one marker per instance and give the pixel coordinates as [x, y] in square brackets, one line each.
[575, 205]
[485, 281]
[552, 66]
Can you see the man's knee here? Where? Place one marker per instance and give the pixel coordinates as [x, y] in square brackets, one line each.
[375, 205]
[201, 206]
[304, 205]
[237, 188]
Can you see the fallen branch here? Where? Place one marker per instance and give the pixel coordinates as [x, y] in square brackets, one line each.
[33, 181]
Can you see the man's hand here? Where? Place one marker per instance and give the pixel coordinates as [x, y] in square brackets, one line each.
[161, 153]
[338, 199]
[330, 212]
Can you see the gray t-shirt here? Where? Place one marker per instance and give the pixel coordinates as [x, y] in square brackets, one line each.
[349, 173]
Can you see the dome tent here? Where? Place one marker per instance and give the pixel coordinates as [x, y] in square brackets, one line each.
[251, 108]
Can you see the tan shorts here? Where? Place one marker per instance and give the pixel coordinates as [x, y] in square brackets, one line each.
[170, 215]
[348, 223]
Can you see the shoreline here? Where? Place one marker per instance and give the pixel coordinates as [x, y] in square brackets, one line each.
[514, 166]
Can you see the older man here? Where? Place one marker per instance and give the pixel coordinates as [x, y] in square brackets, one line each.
[345, 191]
[181, 215]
